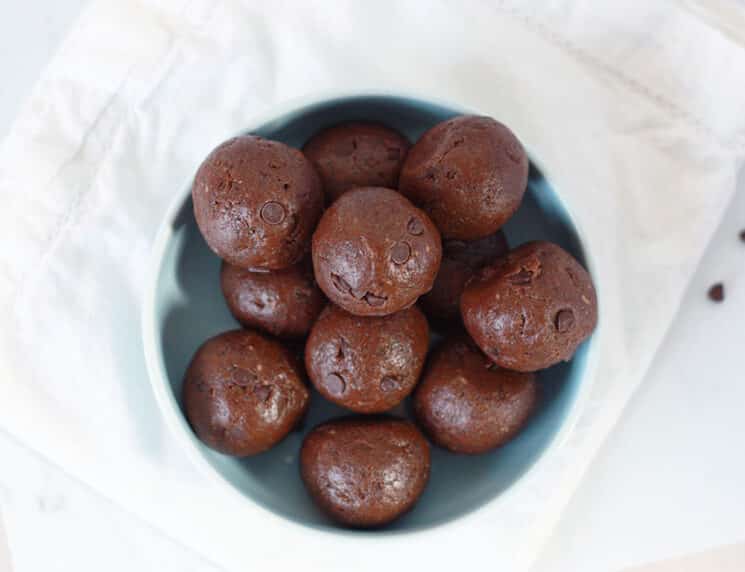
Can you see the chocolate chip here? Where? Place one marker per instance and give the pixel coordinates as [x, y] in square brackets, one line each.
[521, 278]
[263, 392]
[415, 226]
[716, 292]
[358, 293]
[400, 252]
[340, 284]
[343, 347]
[742, 235]
[242, 377]
[334, 384]
[273, 213]
[388, 383]
[373, 300]
[564, 321]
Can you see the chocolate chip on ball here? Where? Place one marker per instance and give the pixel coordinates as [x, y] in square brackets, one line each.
[365, 471]
[284, 303]
[243, 393]
[468, 173]
[366, 364]
[460, 259]
[257, 202]
[357, 154]
[467, 404]
[374, 253]
[532, 308]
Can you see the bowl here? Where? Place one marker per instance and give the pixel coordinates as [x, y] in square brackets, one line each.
[184, 307]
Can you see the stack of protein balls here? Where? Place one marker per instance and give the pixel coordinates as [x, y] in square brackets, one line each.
[334, 246]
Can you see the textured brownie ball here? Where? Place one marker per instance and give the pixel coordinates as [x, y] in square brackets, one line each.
[374, 253]
[459, 261]
[532, 308]
[257, 202]
[366, 364]
[365, 471]
[284, 303]
[356, 154]
[467, 404]
[243, 393]
[468, 173]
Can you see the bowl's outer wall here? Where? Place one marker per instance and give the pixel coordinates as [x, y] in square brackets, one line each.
[189, 308]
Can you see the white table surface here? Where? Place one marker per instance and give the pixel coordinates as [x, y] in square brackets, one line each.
[668, 482]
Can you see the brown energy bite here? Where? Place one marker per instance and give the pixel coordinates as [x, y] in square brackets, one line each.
[365, 471]
[374, 253]
[257, 202]
[356, 154]
[243, 393]
[366, 364]
[469, 174]
[531, 308]
[460, 260]
[467, 404]
[284, 303]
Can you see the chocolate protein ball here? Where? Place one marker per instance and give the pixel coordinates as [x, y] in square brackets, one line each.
[469, 175]
[257, 202]
[365, 471]
[366, 364]
[356, 154]
[530, 309]
[374, 253]
[243, 393]
[284, 303]
[459, 261]
[467, 404]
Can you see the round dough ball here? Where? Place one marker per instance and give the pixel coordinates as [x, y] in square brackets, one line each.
[284, 303]
[366, 471]
[467, 404]
[257, 202]
[356, 154]
[243, 393]
[532, 308]
[367, 364]
[468, 173]
[460, 260]
[374, 253]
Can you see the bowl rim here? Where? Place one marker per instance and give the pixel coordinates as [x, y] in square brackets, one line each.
[177, 423]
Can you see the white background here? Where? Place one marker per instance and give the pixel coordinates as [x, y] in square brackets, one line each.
[669, 481]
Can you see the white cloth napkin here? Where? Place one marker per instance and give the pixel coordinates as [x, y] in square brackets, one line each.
[637, 110]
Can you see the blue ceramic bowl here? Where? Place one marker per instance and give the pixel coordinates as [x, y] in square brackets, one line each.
[185, 307]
